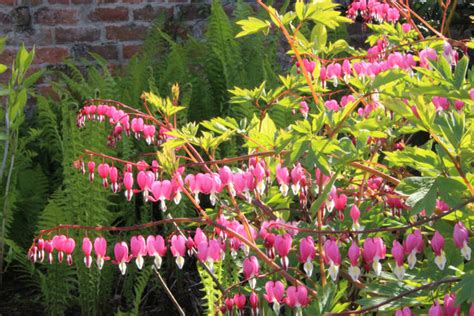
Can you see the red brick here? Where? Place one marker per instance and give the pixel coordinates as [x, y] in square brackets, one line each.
[130, 50]
[149, 13]
[58, 1]
[48, 16]
[39, 36]
[72, 35]
[126, 32]
[36, 2]
[6, 22]
[108, 51]
[109, 14]
[47, 91]
[7, 2]
[107, 1]
[7, 56]
[50, 55]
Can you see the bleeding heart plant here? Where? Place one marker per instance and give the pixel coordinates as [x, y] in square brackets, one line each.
[320, 190]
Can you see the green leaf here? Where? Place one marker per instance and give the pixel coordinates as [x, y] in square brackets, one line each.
[451, 190]
[3, 68]
[33, 78]
[299, 9]
[19, 104]
[263, 133]
[452, 126]
[421, 191]
[319, 36]
[465, 289]
[253, 25]
[423, 160]
[460, 72]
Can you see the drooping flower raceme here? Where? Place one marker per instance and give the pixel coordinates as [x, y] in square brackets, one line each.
[460, 238]
[178, 249]
[374, 251]
[413, 244]
[354, 255]
[274, 291]
[398, 254]
[307, 254]
[332, 256]
[437, 244]
[121, 256]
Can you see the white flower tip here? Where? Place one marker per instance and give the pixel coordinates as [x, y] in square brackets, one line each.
[466, 251]
[139, 261]
[177, 198]
[354, 272]
[377, 266]
[158, 262]
[308, 268]
[399, 271]
[440, 261]
[411, 259]
[295, 188]
[333, 271]
[276, 307]
[252, 283]
[180, 262]
[123, 267]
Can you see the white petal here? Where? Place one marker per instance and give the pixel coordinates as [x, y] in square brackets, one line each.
[158, 261]
[100, 262]
[466, 251]
[123, 267]
[333, 271]
[139, 261]
[399, 271]
[261, 187]
[231, 189]
[308, 267]
[284, 262]
[210, 265]
[440, 261]
[252, 283]
[180, 262]
[177, 198]
[284, 189]
[412, 259]
[163, 205]
[213, 199]
[354, 272]
[377, 266]
[276, 307]
[295, 188]
[245, 249]
[330, 206]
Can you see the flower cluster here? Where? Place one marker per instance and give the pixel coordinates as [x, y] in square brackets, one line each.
[122, 123]
[211, 250]
[373, 10]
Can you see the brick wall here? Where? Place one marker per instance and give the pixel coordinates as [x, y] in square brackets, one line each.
[114, 29]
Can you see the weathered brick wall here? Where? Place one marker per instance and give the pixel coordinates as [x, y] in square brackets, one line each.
[114, 29]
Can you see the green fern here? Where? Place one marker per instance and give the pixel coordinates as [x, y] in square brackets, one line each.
[211, 294]
[141, 283]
